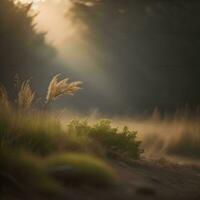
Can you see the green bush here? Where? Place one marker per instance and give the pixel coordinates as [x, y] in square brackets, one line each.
[43, 135]
[116, 143]
[23, 49]
[81, 169]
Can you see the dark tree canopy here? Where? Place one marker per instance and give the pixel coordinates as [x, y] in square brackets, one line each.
[151, 50]
[154, 49]
[22, 50]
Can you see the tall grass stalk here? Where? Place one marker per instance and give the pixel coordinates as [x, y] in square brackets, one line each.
[4, 101]
[59, 88]
[25, 95]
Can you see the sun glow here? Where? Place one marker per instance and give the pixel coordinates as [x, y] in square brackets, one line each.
[71, 40]
[30, 1]
[35, 3]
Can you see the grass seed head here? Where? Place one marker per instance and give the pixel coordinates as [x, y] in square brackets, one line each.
[4, 101]
[25, 95]
[59, 88]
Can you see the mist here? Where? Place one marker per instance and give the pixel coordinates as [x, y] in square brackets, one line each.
[170, 138]
[130, 58]
[122, 85]
[76, 52]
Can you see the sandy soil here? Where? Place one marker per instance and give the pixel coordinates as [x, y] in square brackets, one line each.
[147, 180]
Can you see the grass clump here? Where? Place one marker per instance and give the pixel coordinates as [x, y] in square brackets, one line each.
[81, 169]
[116, 143]
[21, 172]
[34, 133]
[26, 95]
[40, 134]
[38, 155]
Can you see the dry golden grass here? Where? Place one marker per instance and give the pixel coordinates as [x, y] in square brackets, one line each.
[4, 101]
[59, 88]
[176, 138]
[25, 95]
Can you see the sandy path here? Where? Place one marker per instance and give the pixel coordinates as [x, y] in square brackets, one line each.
[147, 181]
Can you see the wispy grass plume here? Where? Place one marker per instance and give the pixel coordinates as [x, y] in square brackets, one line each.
[25, 95]
[59, 88]
[4, 101]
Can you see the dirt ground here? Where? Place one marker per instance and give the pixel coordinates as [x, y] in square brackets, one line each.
[143, 180]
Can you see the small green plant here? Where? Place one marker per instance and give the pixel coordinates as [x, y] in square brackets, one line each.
[116, 143]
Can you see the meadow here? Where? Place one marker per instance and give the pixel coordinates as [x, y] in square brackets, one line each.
[50, 154]
[46, 155]
[39, 155]
[176, 138]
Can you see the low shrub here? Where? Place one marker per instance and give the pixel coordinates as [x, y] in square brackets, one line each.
[116, 143]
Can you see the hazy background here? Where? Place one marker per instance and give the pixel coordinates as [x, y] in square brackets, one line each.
[132, 55]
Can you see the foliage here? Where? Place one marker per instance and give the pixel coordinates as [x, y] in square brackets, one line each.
[116, 143]
[23, 49]
[40, 134]
[80, 169]
[33, 144]
[24, 173]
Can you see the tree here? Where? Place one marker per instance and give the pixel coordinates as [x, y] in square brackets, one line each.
[23, 51]
[153, 48]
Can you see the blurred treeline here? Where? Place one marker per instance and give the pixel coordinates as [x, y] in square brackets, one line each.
[151, 51]
[154, 49]
[23, 51]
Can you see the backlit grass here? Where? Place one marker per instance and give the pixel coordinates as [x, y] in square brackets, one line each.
[38, 155]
